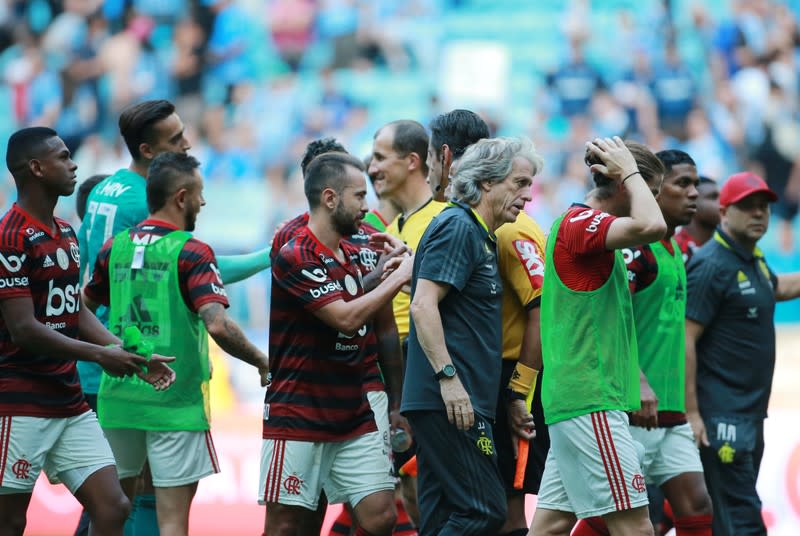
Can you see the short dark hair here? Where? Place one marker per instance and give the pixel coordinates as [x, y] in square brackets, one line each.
[648, 163]
[458, 130]
[83, 192]
[409, 137]
[136, 123]
[674, 157]
[318, 147]
[328, 170]
[25, 145]
[168, 173]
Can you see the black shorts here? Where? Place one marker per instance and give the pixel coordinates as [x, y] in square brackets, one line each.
[400, 458]
[537, 453]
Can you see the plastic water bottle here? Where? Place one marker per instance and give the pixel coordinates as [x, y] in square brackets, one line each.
[400, 440]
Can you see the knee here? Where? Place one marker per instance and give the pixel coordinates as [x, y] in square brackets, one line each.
[381, 523]
[696, 503]
[13, 524]
[113, 512]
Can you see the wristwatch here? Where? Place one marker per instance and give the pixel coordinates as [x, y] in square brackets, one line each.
[448, 371]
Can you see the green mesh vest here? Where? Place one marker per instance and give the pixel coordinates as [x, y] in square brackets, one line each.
[661, 327]
[588, 344]
[145, 292]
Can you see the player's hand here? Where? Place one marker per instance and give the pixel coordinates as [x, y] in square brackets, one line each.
[457, 403]
[158, 373]
[403, 265]
[263, 371]
[617, 160]
[398, 422]
[698, 428]
[520, 422]
[647, 416]
[118, 362]
[385, 241]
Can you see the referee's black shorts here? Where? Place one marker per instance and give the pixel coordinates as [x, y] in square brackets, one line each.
[537, 453]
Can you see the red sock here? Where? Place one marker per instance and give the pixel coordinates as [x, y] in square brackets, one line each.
[592, 526]
[342, 524]
[404, 526]
[693, 526]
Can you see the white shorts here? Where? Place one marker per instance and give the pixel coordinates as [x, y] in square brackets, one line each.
[68, 449]
[176, 458]
[593, 467]
[379, 402]
[668, 452]
[295, 472]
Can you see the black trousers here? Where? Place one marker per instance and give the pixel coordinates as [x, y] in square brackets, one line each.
[731, 466]
[460, 491]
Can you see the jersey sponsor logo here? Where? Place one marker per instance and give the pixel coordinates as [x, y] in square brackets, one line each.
[12, 263]
[65, 229]
[216, 272]
[346, 347]
[21, 469]
[327, 288]
[114, 189]
[745, 286]
[48, 262]
[62, 259]
[350, 284]
[33, 233]
[9, 282]
[63, 300]
[530, 256]
[594, 225]
[629, 255]
[75, 253]
[368, 258]
[361, 332]
[56, 325]
[219, 291]
[327, 260]
[318, 275]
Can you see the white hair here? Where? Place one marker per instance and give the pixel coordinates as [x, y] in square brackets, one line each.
[490, 160]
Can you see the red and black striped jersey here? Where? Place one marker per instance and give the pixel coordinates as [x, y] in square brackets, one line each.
[687, 243]
[368, 256]
[198, 276]
[45, 267]
[317, 391]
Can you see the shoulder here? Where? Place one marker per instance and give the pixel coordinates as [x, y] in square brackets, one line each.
[583, 218]
[198, 248]
[13, 228]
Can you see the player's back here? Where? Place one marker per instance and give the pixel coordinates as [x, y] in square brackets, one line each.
[118, 202]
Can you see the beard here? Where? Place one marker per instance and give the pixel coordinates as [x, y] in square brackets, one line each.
[190, 221]
[343, 223]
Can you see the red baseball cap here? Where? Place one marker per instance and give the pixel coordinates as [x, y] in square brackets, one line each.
[740, 185]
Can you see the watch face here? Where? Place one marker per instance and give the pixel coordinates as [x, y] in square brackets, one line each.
[449, 371]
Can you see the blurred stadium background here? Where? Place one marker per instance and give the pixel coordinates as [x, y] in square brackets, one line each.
[255, 80]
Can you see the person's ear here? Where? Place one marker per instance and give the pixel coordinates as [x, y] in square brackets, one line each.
[180, 197]
[329, 198]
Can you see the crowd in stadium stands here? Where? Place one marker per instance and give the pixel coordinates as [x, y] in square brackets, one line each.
[255, 81]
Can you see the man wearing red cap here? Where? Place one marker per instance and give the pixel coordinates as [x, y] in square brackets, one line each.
[730, 352]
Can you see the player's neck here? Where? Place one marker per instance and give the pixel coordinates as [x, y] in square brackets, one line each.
[413, 196]
[39, 206]
[326, 234]
[178, 220]
[140, 168]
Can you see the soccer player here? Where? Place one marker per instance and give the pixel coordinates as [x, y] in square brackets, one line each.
[704, 222]
[383, 372]
[657, 280]
[730, 351]
[45, 422]
[455, 341]
[319, 432]
[120, 202]
[166, 283]
[589, 346]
